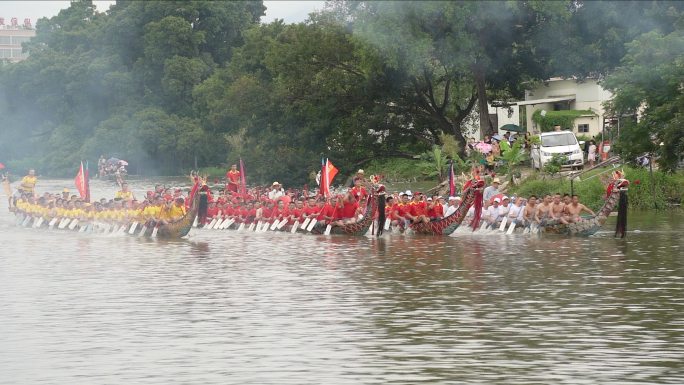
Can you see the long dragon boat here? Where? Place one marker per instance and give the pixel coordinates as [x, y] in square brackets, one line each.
[448, 225]
[589, 225]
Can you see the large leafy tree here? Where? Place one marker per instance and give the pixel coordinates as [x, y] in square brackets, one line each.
[649, 84]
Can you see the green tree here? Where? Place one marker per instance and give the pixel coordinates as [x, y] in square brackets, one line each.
[649, 84]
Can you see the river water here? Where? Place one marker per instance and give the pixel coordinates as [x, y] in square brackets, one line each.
[227, 307]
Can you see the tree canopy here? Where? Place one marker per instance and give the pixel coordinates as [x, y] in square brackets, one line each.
[170, 84]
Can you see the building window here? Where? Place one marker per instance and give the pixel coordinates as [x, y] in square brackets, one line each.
[5, 53]
[582, 128]
[17, 40]
[5, 40]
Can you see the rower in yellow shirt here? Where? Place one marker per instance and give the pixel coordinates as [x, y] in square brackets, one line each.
[28, 183]
[124, 193]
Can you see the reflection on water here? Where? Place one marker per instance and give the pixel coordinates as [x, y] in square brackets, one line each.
[227, 307]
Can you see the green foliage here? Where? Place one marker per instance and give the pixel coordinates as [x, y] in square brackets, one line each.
[555, 164]
[564, 118]
[669, 189]
[512, 159]
[590, 192]
[650, 83]
[394, 169]
[435, 162]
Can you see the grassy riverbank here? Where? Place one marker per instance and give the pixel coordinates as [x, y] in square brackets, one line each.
[669, 189]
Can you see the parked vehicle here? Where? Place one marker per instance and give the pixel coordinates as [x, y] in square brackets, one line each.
[563, 143]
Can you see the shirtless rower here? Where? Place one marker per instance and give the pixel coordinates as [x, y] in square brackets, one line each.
[530, 210]
[574, 209]
[558, 210]
[543, 210]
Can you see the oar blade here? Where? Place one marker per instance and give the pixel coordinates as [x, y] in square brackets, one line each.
[294, 227]
[511, 228]
[311, 225]
[504, 221]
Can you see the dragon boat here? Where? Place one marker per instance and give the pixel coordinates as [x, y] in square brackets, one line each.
[445, 226]
[358, 228]
[589, 225]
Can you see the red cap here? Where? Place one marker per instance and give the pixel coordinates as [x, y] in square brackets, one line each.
[150, 192]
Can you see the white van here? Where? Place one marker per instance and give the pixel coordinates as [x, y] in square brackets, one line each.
[563, 143]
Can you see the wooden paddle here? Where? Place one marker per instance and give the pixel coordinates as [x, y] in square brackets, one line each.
[51, 225]
[227, 223]
[251, 227]
[294, 227]
[194, 223]
[211, 224]
[134, 226]
[258, 226]
[82, 229]
[73, 224]
[536, 229]
[306, 223]
[63, 223]
[156, 227]
[282, 223]
[388, 223]
[515, 220]
[241, 227]
[144, 229]
[26, 221]
[274, 224]
[311, 225]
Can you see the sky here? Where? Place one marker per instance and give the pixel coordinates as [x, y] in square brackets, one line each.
[290, 11]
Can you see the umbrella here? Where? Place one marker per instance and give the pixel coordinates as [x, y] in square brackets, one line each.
[483, 147]
[500, 196]
[113, 160]
[123, 163]
[511, 127]
[497, 137]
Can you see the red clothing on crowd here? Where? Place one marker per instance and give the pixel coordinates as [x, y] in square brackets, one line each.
[233, 177]
[211, 213]
[267, 214]
[296, 214]
[418, 208]
[311, 211]
[326, 211]
[436, 211]
[401, 210]
[348, 211]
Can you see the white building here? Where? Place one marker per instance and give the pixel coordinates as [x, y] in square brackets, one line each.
[11, 37]
[499, 115]
[566, 94]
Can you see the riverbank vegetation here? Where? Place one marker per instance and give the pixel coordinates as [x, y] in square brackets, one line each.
[171, 86]
[666, 191]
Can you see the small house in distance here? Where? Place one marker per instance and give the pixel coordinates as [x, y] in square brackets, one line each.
[566, 94]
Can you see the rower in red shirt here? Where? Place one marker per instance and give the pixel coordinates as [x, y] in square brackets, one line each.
[212, 212]
[328, 211]
[297, 212]
[358, 191]
[233, 178]
[347, 210]
[418, 209]
[311, 210]
[435, 209]
[267, 212]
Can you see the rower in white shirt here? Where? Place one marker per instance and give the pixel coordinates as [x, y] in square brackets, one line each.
[517, 211]
[453, 206]
[493, 214]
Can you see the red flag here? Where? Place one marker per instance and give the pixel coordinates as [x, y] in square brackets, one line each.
[243, 187]
[87, 184]
[329, 173]
[80, 182]
[1, 166]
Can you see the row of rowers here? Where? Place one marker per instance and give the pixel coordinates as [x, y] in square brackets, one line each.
[337, 211]
[121, 211]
